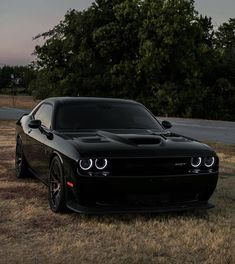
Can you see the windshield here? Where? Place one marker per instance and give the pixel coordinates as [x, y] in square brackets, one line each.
[104, 116]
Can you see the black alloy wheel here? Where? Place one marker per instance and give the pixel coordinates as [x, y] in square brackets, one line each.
[21, 168]
[56, 187]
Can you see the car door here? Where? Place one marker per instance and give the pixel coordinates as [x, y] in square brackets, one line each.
[38, 156]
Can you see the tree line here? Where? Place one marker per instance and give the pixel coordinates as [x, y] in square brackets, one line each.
[13, 78]
[162, 53]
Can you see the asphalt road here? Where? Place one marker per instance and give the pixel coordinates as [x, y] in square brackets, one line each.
[7, 113]
[205, 130]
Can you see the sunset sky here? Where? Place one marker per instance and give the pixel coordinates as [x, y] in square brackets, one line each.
[20, 20]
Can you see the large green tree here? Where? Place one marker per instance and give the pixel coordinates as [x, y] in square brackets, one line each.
[221, 87]
[93, 52]
[162, 53]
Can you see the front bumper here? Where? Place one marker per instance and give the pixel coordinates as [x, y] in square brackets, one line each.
[142, 194]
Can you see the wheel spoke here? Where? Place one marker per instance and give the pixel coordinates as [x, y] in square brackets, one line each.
[55, 172]
[57, 198]
[18, 158]
[55, 184]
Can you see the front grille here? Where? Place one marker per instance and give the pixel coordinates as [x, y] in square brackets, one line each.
[149, 166]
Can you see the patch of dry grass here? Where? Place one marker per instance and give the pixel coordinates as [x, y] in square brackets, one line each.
[18, 101]
[226, 155]
[31, 233]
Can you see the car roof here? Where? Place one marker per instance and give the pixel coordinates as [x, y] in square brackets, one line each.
[55, 100]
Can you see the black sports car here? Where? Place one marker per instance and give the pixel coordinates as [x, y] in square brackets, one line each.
[100, 155]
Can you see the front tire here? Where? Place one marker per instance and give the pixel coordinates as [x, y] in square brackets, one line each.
[56, 197]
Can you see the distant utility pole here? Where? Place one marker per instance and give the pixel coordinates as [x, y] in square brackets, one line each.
[13, 81]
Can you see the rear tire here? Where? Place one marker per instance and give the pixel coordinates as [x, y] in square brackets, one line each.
[21, 166]
[56, 188]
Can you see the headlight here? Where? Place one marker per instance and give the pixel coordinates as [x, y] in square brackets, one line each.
[196, 161]
[209, 161]
[85, 164]
[101, 164]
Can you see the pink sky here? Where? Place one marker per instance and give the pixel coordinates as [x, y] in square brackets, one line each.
[20, 20]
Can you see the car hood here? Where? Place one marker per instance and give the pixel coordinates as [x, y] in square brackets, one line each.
[139, 143]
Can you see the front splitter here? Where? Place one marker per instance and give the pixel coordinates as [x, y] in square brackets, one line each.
[101, 210]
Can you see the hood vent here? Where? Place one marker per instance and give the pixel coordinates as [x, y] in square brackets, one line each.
[93, 139]
[131, 139]
[145, 140]
[177, 138]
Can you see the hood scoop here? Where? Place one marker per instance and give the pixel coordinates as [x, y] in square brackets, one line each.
[94, 139]
[145, 140]
[132, 139]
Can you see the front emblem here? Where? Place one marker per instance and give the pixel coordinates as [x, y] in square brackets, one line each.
[180, 164]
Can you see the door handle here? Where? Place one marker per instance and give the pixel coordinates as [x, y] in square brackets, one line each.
[30, 130]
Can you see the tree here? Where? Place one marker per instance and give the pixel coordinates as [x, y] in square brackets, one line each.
[5, 76]
[161, 53]
[93, 52]
[22, 76]
[225, 47]
[220, 92]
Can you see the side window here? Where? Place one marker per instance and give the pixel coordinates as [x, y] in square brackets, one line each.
[37, 114]
[44, 114]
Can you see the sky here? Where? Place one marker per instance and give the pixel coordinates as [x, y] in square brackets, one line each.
[21, 20]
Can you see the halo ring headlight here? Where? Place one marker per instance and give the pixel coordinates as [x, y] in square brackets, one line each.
[196, 161]
[101, 164]
[85, 164]
[209, 161]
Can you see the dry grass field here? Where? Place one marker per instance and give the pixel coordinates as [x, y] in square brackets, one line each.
[31, 233]
[17, 101]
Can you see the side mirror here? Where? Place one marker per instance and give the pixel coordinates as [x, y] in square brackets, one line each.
[35, 124]
[166, 124]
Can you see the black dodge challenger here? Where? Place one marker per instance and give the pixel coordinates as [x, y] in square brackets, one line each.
[100, 155]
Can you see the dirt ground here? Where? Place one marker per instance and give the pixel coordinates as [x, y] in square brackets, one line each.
[18, 101]
[31, 233]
